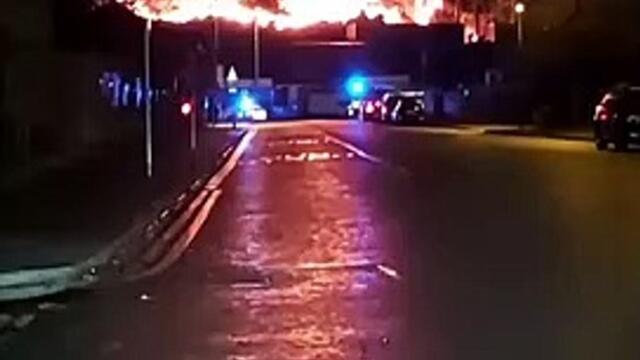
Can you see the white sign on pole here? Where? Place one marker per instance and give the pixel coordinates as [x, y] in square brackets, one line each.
[232, 77]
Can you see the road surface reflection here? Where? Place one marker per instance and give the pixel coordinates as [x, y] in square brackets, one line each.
[323, 292]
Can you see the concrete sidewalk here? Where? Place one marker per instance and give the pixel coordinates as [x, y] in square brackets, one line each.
[70, 214]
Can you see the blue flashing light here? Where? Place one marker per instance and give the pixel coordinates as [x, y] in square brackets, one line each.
[246, 103]
[357, 87]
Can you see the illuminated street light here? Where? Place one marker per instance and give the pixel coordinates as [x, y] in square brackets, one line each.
[148, 99]
[520, 9]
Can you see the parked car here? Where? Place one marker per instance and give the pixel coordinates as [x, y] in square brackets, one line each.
[402, 109]
[617, 118]
[353, 109]
[371, 108]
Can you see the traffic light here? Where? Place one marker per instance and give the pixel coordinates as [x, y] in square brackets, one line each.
[186, 109]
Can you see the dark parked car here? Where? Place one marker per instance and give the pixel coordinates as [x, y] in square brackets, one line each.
[405, 109]
[373, 110]
[373, 107]
[617, 118]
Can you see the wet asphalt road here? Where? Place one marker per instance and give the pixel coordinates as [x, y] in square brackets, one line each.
[349, 241]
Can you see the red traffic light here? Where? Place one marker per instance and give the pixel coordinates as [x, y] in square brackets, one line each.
[186, 109]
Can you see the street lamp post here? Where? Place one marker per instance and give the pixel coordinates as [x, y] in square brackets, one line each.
[148, 133]
[256, 51]
[193, 126]
[519, 9]
[216, 44]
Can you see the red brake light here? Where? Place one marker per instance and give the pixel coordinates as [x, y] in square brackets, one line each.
[369, 108]
[602, 113]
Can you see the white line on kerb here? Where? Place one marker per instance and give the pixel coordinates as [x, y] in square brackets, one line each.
[354, 149]
[184, 240]
[231, 164]
[208, 197]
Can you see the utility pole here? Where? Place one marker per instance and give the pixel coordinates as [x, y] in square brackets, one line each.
[193, 127]
[476, 16]
[148, 131]
[519, 9]
[216, 43]
[256, 51]
[218, 79]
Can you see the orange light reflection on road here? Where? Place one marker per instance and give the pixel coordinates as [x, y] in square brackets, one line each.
[315, 298]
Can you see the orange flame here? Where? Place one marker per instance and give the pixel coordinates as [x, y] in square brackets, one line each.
[286, 13]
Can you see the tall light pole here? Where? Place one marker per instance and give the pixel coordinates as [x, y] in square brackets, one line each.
[519, 9]
[216, 43]
[193, 126]
[256, 51]
[148, 131]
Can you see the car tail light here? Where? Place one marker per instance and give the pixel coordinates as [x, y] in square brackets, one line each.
[369, 108]
[603, 113]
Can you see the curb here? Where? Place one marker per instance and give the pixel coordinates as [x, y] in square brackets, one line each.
[152, 235]
[496, 130]
[539, 135]
[176, 238]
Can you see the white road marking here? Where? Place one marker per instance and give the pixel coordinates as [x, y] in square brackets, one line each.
[366, 265]
[215, 182]
[388, 271]
[354, 149]
[310, 266]
[207, 198]
[185, 239]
